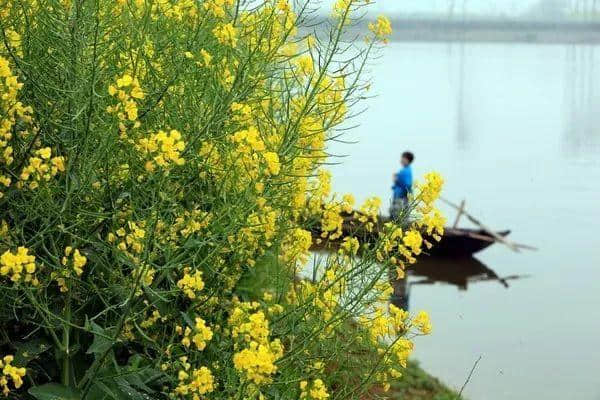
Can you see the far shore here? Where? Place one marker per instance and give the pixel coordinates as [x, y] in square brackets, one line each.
[497, 31]
[488, 30]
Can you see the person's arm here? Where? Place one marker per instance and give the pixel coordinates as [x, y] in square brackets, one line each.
[408, 182]
[395, 180]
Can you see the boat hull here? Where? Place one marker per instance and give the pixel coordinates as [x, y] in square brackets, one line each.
[462, 242]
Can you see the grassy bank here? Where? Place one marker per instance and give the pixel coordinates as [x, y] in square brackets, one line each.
[416, 384]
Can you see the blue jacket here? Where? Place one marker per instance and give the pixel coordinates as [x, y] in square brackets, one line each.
[403, 183]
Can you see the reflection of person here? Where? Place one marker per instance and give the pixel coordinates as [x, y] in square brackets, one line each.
[402, 184]
[400, 296]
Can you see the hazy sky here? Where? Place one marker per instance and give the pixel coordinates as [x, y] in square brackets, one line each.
[474, 6]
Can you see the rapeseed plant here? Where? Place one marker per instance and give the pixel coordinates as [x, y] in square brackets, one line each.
[158, 155]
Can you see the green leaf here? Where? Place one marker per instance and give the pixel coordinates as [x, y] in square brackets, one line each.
[136, 381]
[116, 389]
[101, 343]
[54, 391]
[187, 318]
[139, 373]
[101, 391]
[27, 351]
[129, 392]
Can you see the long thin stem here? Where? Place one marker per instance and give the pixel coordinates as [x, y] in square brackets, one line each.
[66, 370]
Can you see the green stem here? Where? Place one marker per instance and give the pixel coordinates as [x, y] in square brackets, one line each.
[66, 338]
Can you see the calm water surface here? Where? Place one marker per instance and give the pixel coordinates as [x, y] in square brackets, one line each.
[515, 130]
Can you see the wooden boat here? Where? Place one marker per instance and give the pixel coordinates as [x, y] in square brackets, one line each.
[461, 242]
[456, 242]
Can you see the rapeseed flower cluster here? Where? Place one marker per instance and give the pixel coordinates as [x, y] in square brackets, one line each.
[129, 238]
[164, 148]
[218, 7]
[18, 266]
[382, 28]
[41, 167]
[341, 8]
[152, 320]
[369, 211]
[258, 353]
[195, 384]
[226, 34]
[10, 373]
[257, 361]
[184, 224]
[295, 247]
[72, 262]
[315, 391]
[128, 92]
[17, 124]
[77, 260]
[199, 335]
[395, 325]
[191, 283]
[422, 322]
[430, 189]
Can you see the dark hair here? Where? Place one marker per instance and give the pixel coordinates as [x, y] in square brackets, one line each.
[409, 156]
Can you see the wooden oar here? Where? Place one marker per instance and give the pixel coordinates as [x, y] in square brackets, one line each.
[459, 214]
[491, 239]
[514, 246]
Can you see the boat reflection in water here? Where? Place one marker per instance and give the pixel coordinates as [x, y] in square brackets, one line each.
[459, 272]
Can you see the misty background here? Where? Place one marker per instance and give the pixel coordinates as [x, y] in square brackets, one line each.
[555, 10]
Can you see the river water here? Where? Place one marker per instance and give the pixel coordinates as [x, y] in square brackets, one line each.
[514, 130]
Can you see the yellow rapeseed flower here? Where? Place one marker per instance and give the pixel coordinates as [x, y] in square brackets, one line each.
[382, 28]
[19, 265]
[191, 283]
[11, 372]
[226, 34]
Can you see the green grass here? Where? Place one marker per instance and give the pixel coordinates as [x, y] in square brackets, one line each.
[417, 384]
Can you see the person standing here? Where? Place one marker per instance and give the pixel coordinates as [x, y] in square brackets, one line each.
[402, 184]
